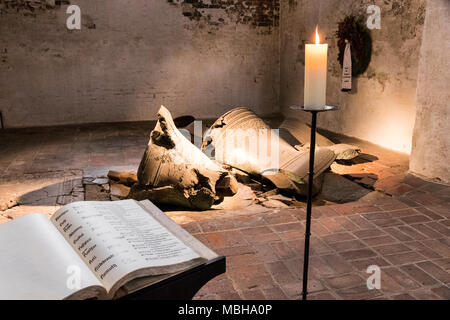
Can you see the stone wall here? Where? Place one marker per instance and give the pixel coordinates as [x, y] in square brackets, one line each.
[257, 13]
[196, 57]
[381, 109]
[431, 141]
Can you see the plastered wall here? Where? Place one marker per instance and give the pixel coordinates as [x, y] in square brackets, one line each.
[381, 108]
[130, 56]
[430, 154]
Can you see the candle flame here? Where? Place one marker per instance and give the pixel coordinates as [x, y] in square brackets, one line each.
[317, 35]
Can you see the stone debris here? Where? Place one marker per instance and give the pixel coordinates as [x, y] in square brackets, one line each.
[8, 204]
[272, 203]
[99, 174]
[345, 151]
[100, 181]
[269, 193]
[281, 198]
[276, 196]
[88, 180]
[119, 191]
[244, 198]
[228, 186]
[128, 178]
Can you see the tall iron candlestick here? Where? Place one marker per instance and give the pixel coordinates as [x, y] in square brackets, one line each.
[312, 149]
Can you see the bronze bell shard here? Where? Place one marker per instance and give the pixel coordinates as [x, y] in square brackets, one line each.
[243, 140]
[174, 171]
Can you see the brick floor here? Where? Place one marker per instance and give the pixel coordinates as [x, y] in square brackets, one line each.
[407, 234]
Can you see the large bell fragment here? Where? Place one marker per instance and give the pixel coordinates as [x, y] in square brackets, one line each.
[241, 139]
[174, 171]
[298, 134]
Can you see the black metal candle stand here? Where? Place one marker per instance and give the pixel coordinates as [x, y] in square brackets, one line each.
[312, 149]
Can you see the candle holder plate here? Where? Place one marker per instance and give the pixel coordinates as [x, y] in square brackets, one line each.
[325, 108]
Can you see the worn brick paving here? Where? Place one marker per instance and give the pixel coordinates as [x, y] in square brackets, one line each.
[413, 254]
[407, 234]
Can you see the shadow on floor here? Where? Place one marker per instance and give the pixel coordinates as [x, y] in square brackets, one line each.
[362, 158]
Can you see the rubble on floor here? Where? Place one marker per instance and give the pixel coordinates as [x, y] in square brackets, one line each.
[228, 187]
[173, 171]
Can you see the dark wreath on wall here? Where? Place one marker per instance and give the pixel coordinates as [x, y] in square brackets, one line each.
[354, 30]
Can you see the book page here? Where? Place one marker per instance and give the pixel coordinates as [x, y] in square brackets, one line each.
[36, 262]
[182, 234]
[117, 238]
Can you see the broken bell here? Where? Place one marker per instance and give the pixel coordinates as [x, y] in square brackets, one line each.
[297, 134]
[242, 140]
[174, 171]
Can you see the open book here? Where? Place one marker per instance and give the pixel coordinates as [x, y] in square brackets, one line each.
[98, 250]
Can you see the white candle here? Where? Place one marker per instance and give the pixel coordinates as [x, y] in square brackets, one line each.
[315, 75]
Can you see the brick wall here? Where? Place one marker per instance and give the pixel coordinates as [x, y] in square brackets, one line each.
[258, 13]
[195, 57]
